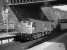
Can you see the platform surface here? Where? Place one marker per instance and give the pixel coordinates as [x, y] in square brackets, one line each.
[25, 45]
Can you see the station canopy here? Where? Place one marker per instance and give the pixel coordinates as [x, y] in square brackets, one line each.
[32, 9]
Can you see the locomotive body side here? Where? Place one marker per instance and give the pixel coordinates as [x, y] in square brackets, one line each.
[35, 26]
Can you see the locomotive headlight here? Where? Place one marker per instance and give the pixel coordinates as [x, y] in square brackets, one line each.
[45, 29]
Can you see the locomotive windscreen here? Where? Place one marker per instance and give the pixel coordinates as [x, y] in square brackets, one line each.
[28, 11]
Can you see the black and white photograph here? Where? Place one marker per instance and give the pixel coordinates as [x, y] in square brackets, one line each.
[33, 25]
